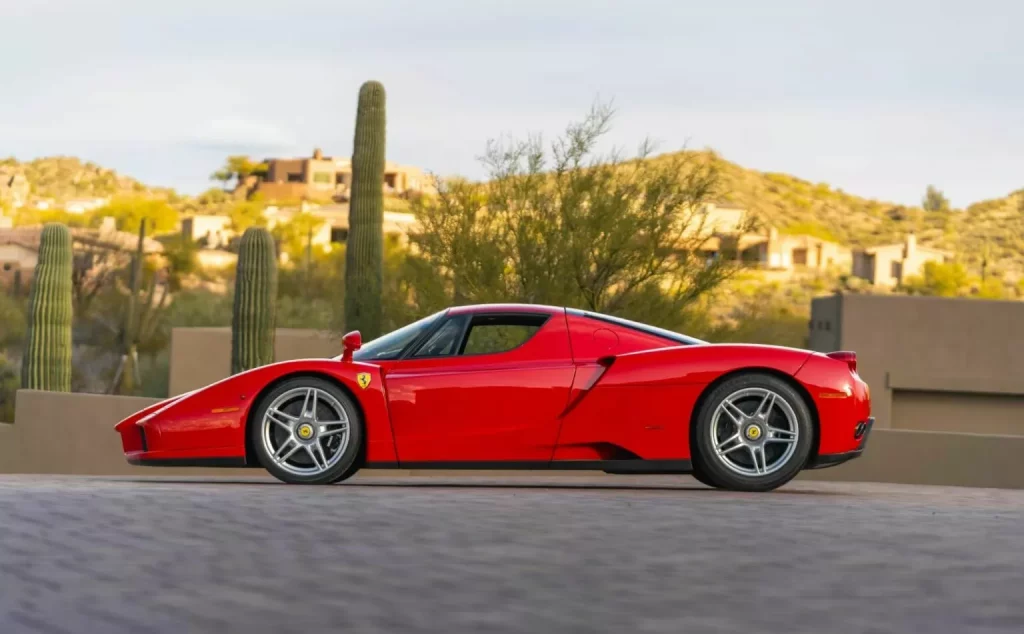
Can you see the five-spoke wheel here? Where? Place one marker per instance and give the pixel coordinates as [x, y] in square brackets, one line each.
[307, 430]
[753, 433]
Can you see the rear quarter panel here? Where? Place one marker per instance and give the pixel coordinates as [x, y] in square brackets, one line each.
[643, 402]
[841, 398]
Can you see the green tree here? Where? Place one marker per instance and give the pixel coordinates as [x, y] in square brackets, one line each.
[129, 211]
[942, 279]
[247, 213]
[934, 200]
[295, 237]
[570, 226]
[238, 167]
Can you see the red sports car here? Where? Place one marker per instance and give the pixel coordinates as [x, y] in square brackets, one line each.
[522, 387]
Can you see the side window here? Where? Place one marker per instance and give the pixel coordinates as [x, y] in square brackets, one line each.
[500, 333]
[445, 341]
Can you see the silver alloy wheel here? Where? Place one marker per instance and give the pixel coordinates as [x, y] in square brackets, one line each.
[754, 431]
[305, 431]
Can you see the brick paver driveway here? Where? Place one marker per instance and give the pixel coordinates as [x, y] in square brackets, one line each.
[535, 555]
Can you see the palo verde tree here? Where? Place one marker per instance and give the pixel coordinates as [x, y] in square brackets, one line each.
[566, 225]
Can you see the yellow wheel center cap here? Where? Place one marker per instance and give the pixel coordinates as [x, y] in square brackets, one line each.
[305, 432]
[753, 432]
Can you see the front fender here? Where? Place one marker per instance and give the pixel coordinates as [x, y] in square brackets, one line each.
[212, 421]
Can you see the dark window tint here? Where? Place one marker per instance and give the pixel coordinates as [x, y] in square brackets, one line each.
[445, 341]
[491, 334]
[391, 345]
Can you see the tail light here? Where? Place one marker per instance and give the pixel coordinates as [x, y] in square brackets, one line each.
[847, 357]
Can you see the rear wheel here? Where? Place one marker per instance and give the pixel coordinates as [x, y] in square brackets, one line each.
[699, 475]
[753, 433]
[307, 431]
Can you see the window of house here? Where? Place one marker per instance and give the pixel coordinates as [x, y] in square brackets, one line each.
[896, 269]
[799, 257]
[491, 334]
[323, 178]
[390, 179]
[295, 178]
[339, 234]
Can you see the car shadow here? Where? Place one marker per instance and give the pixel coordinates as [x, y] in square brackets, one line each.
[427, 482]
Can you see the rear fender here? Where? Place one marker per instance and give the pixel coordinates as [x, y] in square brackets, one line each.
[699, 364]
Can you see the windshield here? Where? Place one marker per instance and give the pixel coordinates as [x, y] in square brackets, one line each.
[389, 346]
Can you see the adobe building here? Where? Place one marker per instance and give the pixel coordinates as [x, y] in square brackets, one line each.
[889, 264]
[727, 231]
[324, 178]
[19, 248]
[933, 364]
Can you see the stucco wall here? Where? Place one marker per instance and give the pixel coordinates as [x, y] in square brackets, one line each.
[200, 356]
[73, 434]
[946, 364]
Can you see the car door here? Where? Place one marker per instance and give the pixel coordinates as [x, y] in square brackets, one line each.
[482, 387]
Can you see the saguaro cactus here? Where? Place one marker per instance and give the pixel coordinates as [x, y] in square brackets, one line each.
[47, 360]
[364, 257]
[255, 309]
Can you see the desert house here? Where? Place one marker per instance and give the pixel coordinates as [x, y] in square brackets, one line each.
[889, 264]
[214, 234]
[19, 248]
[325, 178]
[729, 234]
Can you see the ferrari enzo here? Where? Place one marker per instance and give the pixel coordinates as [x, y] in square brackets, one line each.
[522, 387]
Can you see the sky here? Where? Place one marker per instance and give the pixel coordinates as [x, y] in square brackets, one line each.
[880, 99]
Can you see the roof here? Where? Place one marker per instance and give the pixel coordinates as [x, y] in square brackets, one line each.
[901, 245]
[29, 237]
[505, 308]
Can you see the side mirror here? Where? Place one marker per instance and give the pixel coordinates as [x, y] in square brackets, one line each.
[349, 344]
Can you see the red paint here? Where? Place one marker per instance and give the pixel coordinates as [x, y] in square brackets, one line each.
[579, 389]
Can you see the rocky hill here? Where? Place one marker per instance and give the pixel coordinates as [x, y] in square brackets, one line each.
[63, 178]
[992, 230]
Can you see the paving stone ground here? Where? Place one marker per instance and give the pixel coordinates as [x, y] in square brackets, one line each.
[523, 554]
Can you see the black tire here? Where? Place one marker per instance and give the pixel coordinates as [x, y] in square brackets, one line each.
[344, 466]
[700, 476]
[716, 468]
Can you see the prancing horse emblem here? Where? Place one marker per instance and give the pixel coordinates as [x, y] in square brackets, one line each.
[363, 378]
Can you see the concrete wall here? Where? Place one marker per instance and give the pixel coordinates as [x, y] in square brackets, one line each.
[200, 356]
[73, 434]
[932, 363]
[916, 457]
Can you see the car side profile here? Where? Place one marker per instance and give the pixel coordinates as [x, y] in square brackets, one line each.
[522, 386]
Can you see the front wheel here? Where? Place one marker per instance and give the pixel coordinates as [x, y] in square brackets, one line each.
[307, 431]
[753, 433]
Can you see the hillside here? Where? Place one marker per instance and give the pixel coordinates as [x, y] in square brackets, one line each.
[993, 227]
[63, 178]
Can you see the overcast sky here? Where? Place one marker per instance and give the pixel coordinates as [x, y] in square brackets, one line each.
[879, 98]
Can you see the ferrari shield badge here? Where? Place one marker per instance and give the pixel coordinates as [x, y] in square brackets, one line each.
[363, 378]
